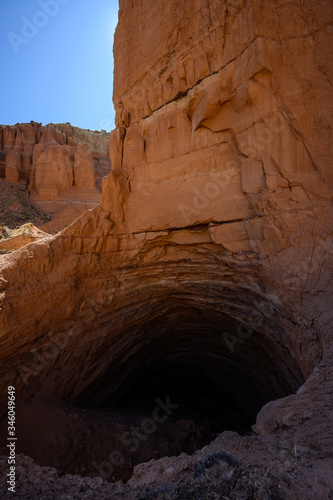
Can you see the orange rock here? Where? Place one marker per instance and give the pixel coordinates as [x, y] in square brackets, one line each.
[84, 173]
[54, 173]
[12, 173]
[210, 255]
[60, 164]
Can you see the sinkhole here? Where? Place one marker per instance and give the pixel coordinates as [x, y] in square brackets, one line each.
[187, 373]
[162, 376]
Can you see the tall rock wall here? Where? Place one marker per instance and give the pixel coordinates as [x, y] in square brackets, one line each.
[230, 91]
[224, 130]
[60, 166]
[21, 146]
[224, 124]
[211, 251]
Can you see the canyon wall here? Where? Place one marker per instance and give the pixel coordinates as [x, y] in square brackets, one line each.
[223, 141]
[233, 97]
[60, 166]
[211, 250]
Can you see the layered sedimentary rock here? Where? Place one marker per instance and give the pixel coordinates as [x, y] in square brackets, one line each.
[12, 240]
[209, 261]
[62, 167]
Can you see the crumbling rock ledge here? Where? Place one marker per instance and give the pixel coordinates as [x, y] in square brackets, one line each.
[207, 264]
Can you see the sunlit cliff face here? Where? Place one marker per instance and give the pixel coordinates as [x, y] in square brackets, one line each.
[199, 290]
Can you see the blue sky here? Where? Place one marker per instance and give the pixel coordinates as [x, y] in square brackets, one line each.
[57, 62]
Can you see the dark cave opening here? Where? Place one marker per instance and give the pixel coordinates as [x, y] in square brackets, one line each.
[179, 379]
[173, 377]
[193, 396]
[215, 366]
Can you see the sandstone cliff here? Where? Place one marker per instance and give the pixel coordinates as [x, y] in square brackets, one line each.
[209, 260]
[60, 166]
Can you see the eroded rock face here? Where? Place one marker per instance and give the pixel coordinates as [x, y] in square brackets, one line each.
[61, 166]
[53, 173]
[210, 256]
[224, 106]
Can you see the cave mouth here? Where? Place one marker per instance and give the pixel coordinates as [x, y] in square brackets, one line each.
[179, 379]
[181, 368]
[192, 396]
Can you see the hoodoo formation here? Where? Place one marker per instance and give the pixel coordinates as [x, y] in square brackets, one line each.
[176, 340]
